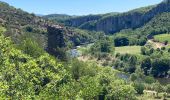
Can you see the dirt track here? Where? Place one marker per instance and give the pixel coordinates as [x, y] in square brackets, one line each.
[156, 44]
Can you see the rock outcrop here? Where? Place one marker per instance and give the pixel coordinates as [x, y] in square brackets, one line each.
[55, 40]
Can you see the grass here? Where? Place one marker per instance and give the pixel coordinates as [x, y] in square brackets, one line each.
[162, 37]
[128, 49]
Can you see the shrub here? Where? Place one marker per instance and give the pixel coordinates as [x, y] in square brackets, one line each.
[149, 79]
[133, 77]
[163, 48]
[121, 41]
[139, 87]
[166, 42]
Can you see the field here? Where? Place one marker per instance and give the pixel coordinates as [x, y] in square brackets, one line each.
[128, 49]
[162, 37]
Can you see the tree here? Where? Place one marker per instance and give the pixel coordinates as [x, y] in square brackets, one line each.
[142, 41]
[143, 50]
[160, 67]
[139, 87]
[146, 65]
[106, 46]
[121, 41]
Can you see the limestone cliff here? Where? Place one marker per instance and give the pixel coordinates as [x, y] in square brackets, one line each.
[111, 24]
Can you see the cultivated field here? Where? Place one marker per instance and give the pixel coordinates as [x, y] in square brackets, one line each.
[162, 37]
[128, 49]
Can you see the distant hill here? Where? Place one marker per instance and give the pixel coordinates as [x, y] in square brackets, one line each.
[58, 17]
[79, 20]
[112, 23]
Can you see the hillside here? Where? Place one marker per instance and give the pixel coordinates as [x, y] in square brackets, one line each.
[115, 22]
[21, 25]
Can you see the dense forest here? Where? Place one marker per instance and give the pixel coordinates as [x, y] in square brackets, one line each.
[108, 56]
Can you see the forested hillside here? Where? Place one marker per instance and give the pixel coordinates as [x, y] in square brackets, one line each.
[112, 23]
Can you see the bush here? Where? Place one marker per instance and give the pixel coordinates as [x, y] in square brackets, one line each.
[166, 42]
[139, 87]
[143, 50]
[29, 29]
[30, 47]
[163, 48]
[149, 79]
[121, 41]
[133, 77]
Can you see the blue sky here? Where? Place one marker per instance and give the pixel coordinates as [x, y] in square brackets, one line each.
[79, 7]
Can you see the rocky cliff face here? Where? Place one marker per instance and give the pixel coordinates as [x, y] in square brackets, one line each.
[115, 23]
[131, 20]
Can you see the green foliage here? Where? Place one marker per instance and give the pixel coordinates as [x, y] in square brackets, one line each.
[118, 91]
[149, 80]
[83, 36]
[30, 47]
[126, 63]
[158, 87]
[160, 67]
[146, 65]
[133, 77]
[102, 48]
[77, 69]
[42, 77]
[139, 87]
[23, 76]
[121, 41]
